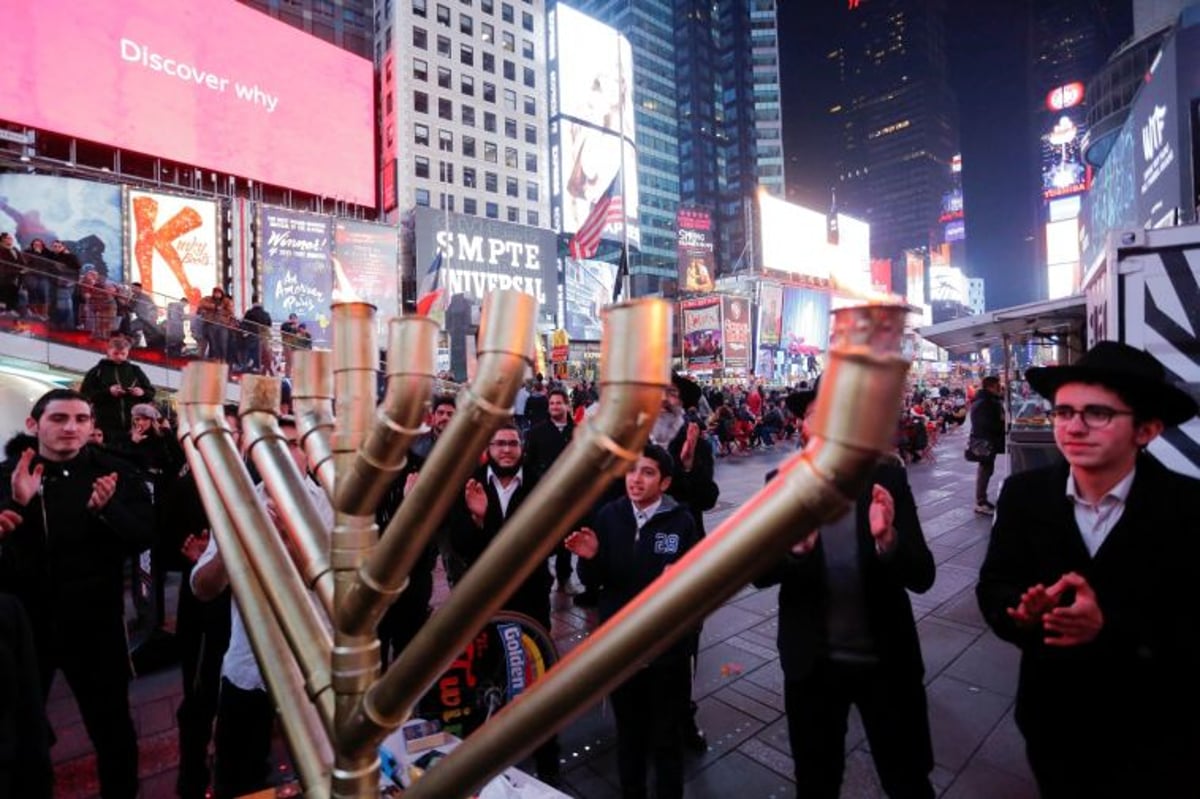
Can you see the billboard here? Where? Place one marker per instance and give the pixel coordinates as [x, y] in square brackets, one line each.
[83, 215]
[215, 85]
[700, 332]
[914, 273]
[694, 249]
[770, 313]
[294, 266]
[592, 131]
[369, 258]
[174, 245]
[735, 313]
[1064, 124]
[805, 321]
[587, 287]
[480, 255]
[795, 240]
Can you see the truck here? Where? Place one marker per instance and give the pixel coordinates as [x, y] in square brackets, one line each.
[1144, 290]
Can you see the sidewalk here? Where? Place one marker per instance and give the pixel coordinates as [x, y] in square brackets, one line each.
[971, 676]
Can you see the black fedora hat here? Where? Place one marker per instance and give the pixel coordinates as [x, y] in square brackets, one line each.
[689, 390]
[1137, 375]
[798, 401]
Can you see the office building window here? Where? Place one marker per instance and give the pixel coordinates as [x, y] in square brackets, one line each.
[511, 187]
[445, 171]
[530, 134]
[510, 99]
[531, 218]
[443, 15]
[491, 182]
[492, 211]
[423, 197]
[467, 85]
[510, 70]
[487, 32]
[527, 21]
[468, 146]
[490, 152]
[421, 102]
[469, 177]
[510, 157]
[466, 55]
[445, 109]
[487, 6]
[420, 69]
[468, 115]
[470, 207]
[447, 201]
[419, 7]
[445, 141]
[506, 12]
[489, 63]
[528, 77]
[508, 41]
[489, 92]
[420, 38]
[421, 167]
[445, 79]
[514, 214]
[421, 134]
[526, 48]
[489, 121]
[531, 190]
[530, 163]
[530, 105]
[510, 127]
[443, 46]
[466, 24]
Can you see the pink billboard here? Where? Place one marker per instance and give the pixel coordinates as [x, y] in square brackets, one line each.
[215, 85]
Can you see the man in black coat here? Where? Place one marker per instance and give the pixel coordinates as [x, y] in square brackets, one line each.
[987, 425]
[1092, 571]
[543, 444]
[113, 386]
[83, 515]
[847, 636]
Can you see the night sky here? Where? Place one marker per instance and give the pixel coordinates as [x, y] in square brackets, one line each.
[988, 48]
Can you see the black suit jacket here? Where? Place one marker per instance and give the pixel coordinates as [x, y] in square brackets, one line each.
[1135, 687]
[697, 488]
[887, 578]
[469, 541]
[544, 443]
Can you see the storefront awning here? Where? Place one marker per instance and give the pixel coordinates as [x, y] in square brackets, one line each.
[973, 332]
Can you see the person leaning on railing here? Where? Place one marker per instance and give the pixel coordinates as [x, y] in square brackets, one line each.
[11, 265]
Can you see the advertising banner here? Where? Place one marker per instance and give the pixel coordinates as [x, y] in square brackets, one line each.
[1064, 124]
[480, 255]
[294, 265]
[588, 287]
[700, 326]
[83, 215]
[591, 105]
[213, 85]
[369, 256]
[174, 246]
[805, 321]
[736, 326]
[914, 277]
[694, 249]
[770, 313]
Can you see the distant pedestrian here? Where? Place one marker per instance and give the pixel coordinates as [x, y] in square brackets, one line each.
[986, 439]
[113, 386]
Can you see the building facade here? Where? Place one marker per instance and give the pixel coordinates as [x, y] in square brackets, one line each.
[894, 119]
[349, 24]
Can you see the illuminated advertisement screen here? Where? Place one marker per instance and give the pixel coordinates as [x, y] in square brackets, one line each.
[770, 313]
[914, 272]
[368, 255]
[85, 216]
[481, 255]
[1063, 169]
[736, 326]
[216, 85]
[795, 240]
[588, 287]
[591, 68]
[294, 265]
[700, 327]
[805, 321]
[694, 249]
[174, 246]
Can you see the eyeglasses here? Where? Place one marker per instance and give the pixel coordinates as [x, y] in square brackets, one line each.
[1093, 416]
[506, 444]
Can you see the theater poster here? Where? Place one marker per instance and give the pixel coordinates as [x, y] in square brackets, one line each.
[770, 313]
[700, 328]
[83, 215]
[296, 271]
[368, 256]
[736, 326]
[173, 243]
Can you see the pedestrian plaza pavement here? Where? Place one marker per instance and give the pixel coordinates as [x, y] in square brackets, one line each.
[970, 675]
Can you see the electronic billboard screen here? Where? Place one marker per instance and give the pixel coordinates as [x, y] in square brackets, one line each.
[592, 103]
[215, 85]
[175, 245]
[694, 249]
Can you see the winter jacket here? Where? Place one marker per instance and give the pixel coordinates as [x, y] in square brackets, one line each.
[112, 413]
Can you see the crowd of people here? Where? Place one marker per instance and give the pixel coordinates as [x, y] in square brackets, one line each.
[1089, 572]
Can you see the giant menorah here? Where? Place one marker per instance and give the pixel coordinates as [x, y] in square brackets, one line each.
[335, 707]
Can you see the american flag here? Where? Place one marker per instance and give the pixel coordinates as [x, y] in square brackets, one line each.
[608, 209]
[430, 291]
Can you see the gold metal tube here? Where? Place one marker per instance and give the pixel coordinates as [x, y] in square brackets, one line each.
[506, 332]
[816, 485]
[268, 449]
[412, 350]
[312, 405]
[306, 735]
[306, 636]
[635, 369]
[355, 654]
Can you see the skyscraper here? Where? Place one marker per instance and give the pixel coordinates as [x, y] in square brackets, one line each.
[730, 114]
[345, 23]
[895, 119]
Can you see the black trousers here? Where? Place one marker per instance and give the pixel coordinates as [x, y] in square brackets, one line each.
[894, 714]
[983, 475]
[202, 630]
[649, 708]
[94, 659]
[245, 721]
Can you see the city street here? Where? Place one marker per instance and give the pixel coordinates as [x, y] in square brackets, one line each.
[970, 676]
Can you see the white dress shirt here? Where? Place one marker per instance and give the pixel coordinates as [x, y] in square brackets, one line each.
[1096, 520]
[505, 493]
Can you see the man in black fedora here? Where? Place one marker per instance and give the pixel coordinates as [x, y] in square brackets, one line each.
[1092, 571]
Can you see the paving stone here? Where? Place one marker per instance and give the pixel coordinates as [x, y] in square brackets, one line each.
[961, 716]
[725, 622]
[752, 646]
[767, 755]
[762, 711]
[720, 663]
[725, 727]
[1005, 749]
[738, 775]
[764, 602]
[981, 781]
[971, 557]
[941, 644]
[963, 609]
[768, 676]
[989, 663]
[949, 581]
[859, 780]
[776, 735]
[942, 553]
